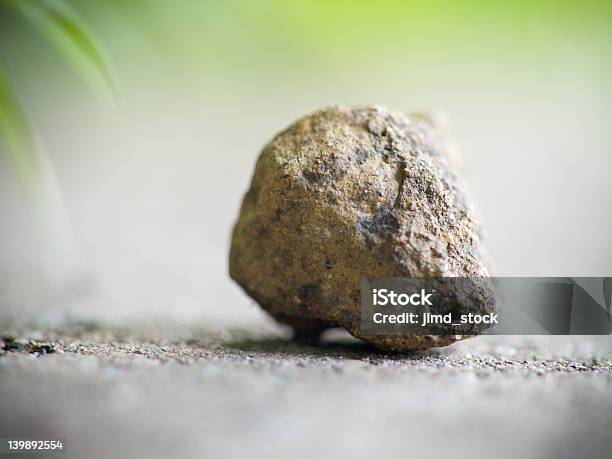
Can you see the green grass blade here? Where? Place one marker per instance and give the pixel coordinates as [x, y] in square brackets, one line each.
[17, 136]
[56, 20]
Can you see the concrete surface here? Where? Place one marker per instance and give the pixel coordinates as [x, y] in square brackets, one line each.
[169, 390]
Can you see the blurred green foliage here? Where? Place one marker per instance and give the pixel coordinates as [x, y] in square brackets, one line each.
[16, 133]
[63, 29]
[229, 45]
[332, 27]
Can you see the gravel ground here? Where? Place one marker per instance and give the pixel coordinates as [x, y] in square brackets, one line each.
[162, 389]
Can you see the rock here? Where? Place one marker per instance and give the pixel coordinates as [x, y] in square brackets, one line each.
[348, 192]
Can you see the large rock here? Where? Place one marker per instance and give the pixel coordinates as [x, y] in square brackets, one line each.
[348, 192]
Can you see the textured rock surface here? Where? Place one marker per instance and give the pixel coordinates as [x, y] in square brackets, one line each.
[345, 193]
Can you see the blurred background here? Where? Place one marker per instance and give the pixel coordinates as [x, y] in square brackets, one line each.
[149, 180]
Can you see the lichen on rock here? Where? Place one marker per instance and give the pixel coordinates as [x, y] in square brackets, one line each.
[348, 192]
